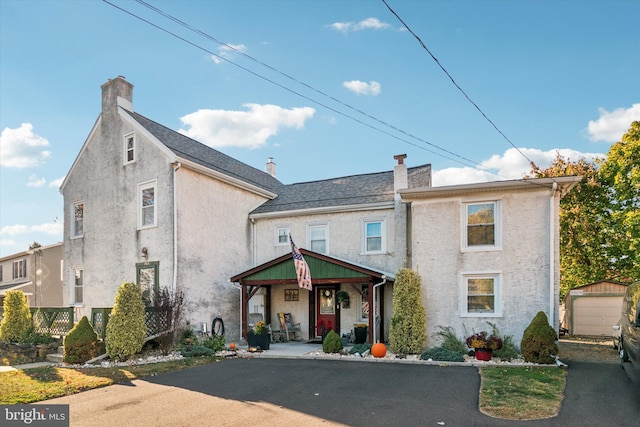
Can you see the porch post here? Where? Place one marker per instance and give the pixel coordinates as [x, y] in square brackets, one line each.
[372, 312]
[243, 312]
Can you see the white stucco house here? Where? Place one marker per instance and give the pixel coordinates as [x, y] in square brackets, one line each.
[147, 204]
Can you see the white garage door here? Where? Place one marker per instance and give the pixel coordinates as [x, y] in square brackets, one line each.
[596, 315]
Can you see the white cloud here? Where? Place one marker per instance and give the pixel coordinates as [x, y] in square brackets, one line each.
[56, 183]
[14, 230]
[365, 24]
[226, 51]
[51, 228]
[510, 165]
[36, 182]
[251, 128]
[21, 148]
[610, 126]
[363, 88]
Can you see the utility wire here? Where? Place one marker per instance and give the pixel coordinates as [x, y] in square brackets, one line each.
[299, 82]
[308, 86]
[454, 82]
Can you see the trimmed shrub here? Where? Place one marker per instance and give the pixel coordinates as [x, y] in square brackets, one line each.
[539, 341]
[126, 329]
[16, 322]
[407, 333]
[332, 343]
[442, 354]
[81, 343]
[188, 337]
[215, 343]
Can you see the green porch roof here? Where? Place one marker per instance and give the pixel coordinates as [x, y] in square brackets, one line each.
[323, 268]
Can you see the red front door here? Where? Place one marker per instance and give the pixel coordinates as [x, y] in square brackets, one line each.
[325, 309]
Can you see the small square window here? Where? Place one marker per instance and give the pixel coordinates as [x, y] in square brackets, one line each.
[374, 241]
[282, 236]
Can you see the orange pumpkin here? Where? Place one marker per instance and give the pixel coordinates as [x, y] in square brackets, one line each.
[378, 349]
[232, 346]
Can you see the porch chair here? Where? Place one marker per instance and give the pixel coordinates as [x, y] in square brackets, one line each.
[288, 328]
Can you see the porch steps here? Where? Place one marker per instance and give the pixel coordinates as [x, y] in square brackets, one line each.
[56, 357]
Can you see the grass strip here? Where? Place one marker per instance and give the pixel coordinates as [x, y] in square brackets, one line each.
[38, 384]
[521, 393]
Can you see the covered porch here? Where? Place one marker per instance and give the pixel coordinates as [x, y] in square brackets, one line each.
[343, 295]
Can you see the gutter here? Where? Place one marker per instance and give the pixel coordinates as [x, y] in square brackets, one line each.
[552, 249]
[176, 166]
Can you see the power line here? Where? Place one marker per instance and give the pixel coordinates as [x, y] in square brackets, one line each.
[454, 82]
[301, 83]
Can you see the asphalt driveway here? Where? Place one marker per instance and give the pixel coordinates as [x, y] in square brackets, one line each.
[295, 392]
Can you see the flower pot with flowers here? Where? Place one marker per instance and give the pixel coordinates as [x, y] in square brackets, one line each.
[258, 336]
[483, 344]
[323, 328]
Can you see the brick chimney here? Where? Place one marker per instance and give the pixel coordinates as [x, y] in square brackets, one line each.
[114, 89]
[271, 167]
[400, 178]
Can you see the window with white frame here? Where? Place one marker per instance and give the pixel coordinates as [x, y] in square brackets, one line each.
[318, 241]
[20, 269]
[282, 236]
[129, 149]
[78, 288]
[147, 205]
[481, 225]
[77, 224]
[481, 294]
[374, 241]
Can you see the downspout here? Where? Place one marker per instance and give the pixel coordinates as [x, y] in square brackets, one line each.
[176, 166]
[254, 245]
[552, 249]
[375, 329]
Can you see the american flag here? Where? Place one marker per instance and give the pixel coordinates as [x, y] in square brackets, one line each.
[302, 268]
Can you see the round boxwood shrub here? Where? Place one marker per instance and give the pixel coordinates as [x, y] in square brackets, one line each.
[81, 343]
[126, 328]
[16, 322]
[539, 341]
[332, 343]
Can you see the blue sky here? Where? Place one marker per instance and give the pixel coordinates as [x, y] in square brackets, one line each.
[326, 88]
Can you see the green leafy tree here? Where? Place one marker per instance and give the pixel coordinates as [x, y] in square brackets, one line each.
[126, 328]
[407, 334]
[621, 175]
[16, 322]
[600, 218]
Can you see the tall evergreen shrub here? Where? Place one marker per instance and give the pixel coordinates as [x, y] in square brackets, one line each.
[539, 341]
[126, 329]
[407, 334]
[16, 322]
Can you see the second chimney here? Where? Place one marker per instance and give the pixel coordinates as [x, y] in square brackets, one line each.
[271, 167]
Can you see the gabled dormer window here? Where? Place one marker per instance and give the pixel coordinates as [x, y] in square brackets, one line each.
[129, 149]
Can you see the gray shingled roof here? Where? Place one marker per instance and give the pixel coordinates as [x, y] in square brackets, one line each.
[344, 191]
[197, 152]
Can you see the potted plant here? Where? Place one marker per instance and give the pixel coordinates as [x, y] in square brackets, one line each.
[483, 344]
[258, 336]
[343, 298]
[360, 332]
[322, 328]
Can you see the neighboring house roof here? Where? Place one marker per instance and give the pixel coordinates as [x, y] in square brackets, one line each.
[367, 189]
[13, 286]
[190, 149]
